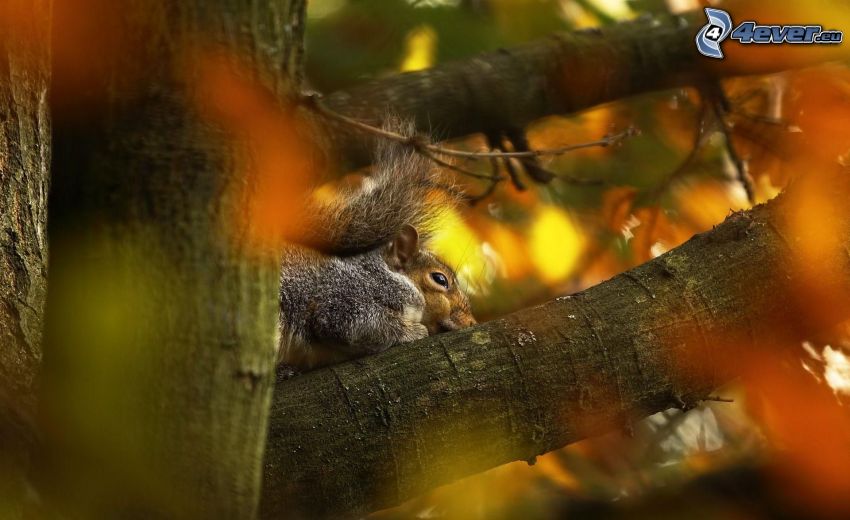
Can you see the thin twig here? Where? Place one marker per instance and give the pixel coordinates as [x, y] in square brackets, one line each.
[699, 140]
[454, 191]
[608, 140]
[527, 157]
[494, 179]
[459, 169]
[717, 99]
[494, 141]
[313, 101]
[717, 399]
[474, 199]
[768, 120]
[517, 138]
[581, 182]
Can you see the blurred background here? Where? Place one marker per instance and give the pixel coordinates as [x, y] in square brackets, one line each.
[774, 444]
[610, 209]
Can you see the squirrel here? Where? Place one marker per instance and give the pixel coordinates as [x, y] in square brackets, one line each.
[367, 281]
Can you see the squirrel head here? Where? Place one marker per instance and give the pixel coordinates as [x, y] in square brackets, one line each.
[446, 305]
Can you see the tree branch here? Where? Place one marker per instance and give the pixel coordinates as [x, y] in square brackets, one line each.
[371, 433]
[559, 74]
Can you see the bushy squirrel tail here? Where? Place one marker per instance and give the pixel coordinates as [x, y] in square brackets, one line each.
[404, 188]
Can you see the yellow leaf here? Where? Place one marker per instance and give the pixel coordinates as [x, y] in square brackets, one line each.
[420, 47]
[556, 244]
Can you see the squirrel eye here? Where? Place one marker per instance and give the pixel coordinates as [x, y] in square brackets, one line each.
[440, 279]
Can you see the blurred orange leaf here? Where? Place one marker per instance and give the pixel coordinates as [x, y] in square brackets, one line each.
[275, 157]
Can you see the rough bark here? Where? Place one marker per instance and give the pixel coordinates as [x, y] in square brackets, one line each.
[24, 161]
[371, 433]
[160, 320]
[509, 88]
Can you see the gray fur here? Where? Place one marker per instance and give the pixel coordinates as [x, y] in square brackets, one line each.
[340, 298]
[353, 305]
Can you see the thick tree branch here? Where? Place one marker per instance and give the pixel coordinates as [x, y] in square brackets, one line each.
[371, 433]
[374, 432]
[509, 88]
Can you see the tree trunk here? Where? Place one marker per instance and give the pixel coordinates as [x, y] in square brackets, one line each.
[371, 433]
[24, 161]
[161, 317]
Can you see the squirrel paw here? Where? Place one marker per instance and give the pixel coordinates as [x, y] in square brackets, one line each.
[414, 331]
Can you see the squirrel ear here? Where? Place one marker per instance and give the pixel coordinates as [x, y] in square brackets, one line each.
[405, 245]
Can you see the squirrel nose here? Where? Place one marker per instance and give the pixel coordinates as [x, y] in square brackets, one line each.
[457, 322]
[464, 320]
